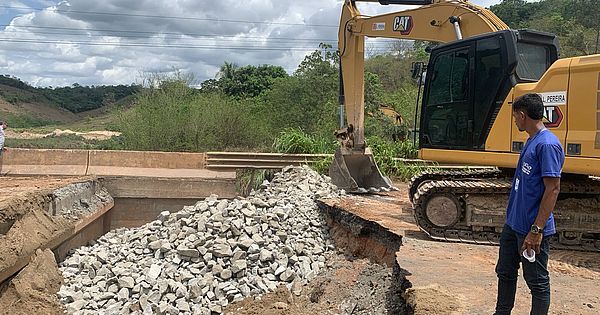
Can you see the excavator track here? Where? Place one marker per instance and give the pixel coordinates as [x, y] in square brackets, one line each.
[471, 209]
[426, 176]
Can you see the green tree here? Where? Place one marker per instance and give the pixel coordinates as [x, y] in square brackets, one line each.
[243, 82]
[306, 100]
[575, 22]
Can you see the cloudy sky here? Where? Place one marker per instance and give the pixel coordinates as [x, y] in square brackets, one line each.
[57, 43]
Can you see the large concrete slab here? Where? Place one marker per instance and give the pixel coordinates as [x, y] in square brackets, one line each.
[169, 188]
[151, 164]
[44, 162]
[107, 163]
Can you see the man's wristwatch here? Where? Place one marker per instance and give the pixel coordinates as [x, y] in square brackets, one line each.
[536, 229]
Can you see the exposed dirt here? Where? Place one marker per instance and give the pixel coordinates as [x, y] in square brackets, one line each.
[347, 287]
[433, 300]
[33, 290]
[89, 135]
[358, 237]
[25, 223]
[18, 186]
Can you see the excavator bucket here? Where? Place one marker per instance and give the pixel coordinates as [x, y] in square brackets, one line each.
[357, 172]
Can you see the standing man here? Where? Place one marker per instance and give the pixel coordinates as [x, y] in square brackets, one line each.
[529, 220]
[3, 126]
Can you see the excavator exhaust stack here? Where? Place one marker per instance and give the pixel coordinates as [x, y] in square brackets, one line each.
[357, 172]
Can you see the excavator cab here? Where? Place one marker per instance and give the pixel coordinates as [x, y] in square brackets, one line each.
[468, 81]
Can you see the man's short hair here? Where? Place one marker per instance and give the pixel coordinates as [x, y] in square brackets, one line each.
[531, 104]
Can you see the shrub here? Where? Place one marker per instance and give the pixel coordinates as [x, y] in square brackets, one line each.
[386, 154]
[294, 140]
[175, 117]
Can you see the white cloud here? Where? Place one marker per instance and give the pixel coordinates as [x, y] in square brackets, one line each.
[35, 55]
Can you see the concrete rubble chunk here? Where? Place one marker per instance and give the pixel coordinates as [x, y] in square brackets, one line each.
[163, 216]
[204, 257]
[183, 306]
[155, 245]
[123, 294]
[226, 274]
[126, 282]
[222, 250]
[248, 212]
[238, 266]
[287, 275]
[265, 255]
[75, 306]
[188, 252]
[154, 271]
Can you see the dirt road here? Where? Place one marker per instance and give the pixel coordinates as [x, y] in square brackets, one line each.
[461, 277]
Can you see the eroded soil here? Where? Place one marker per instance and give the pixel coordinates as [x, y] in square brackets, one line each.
[16, 186]
[347, 287]
[33, 290]
[25, 223]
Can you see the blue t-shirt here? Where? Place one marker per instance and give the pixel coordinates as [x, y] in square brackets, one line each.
[542, 156]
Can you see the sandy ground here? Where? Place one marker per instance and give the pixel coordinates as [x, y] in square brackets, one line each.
[25, 226]
[33, 290]
[90, 135]
[463, 274]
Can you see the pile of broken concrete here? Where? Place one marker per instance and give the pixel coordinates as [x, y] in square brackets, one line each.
[206, 256]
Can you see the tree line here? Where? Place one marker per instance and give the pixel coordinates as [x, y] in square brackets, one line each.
[75, 98]
[575, 22]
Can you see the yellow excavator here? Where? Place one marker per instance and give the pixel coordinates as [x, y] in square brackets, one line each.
[471, 80]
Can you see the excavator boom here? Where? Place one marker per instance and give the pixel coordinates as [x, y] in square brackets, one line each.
[354, 168]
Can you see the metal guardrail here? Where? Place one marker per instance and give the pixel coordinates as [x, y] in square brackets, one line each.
[252, 160]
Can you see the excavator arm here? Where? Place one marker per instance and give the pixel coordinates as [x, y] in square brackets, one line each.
[354, 168]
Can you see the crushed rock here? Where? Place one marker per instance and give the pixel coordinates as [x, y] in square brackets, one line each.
[207, 256]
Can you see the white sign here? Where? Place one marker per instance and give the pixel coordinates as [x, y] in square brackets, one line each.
[554, 98]
[379, 26]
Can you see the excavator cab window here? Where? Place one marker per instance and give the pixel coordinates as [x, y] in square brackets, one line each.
[533, 61]
[536, 52]
[447, 101]
[466, 84]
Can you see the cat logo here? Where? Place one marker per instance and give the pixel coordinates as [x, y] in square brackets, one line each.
[403, 24]
[553, 116]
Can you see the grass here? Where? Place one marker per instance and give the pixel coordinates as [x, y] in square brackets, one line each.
[251, 179]
[25, 121]
[294, 140]
[65, 142]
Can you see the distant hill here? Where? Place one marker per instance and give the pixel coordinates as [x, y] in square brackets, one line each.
[26, 106]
